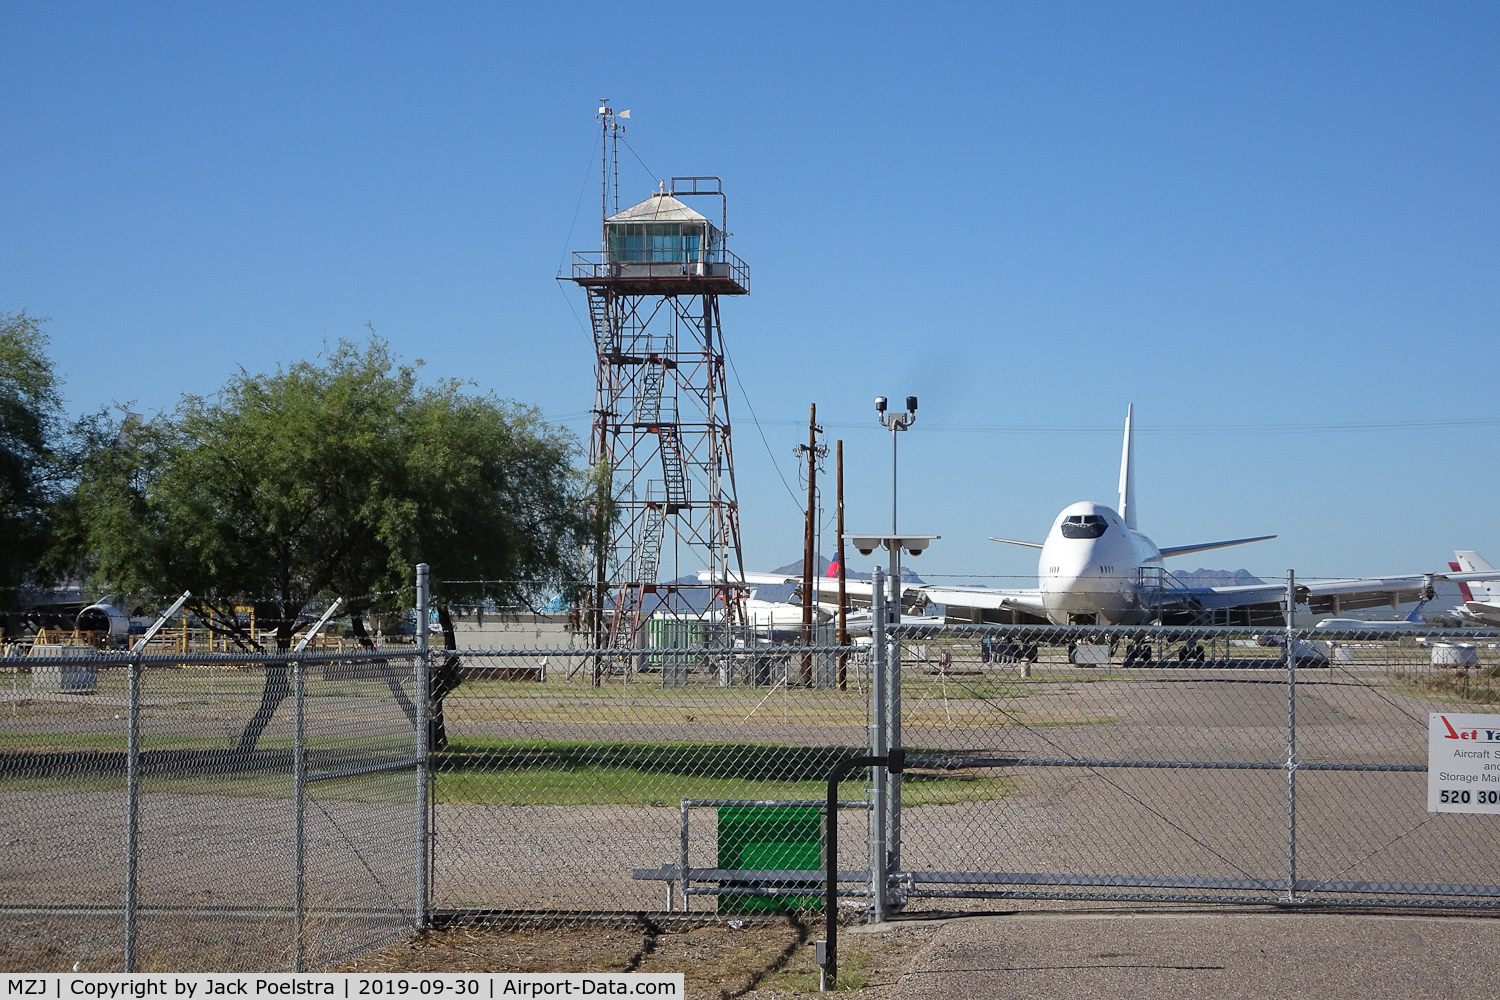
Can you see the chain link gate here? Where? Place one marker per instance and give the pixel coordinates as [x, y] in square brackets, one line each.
[1173, 764]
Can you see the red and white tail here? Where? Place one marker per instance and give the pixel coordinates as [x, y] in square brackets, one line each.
[1473, 562]
[1463, 588]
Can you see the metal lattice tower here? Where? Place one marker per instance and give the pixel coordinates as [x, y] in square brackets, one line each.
[661, 413]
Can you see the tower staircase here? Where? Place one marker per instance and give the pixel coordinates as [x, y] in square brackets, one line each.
[604, 341]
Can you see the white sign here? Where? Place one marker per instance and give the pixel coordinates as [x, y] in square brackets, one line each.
[1463, 763]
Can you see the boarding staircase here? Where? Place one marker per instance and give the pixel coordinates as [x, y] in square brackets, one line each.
[1169, 598]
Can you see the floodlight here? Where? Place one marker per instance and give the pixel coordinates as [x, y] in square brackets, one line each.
[879, 404]
[911, 404]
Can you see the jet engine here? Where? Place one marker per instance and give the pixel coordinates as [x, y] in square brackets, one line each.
[105, 618]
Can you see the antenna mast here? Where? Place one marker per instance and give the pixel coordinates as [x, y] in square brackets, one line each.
[609, 150]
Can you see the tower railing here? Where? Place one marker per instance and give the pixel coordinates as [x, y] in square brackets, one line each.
[730, 274]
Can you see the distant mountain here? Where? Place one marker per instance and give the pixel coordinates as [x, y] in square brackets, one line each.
[1218, 578]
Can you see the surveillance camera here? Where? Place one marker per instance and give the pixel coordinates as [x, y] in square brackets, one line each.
[865, 552]
[879, 404]
[911, 404]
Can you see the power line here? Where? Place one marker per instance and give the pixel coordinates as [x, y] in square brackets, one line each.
[1184, 429]
[756, 420]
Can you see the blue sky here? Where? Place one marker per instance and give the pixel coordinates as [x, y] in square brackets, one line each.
[1272, 227]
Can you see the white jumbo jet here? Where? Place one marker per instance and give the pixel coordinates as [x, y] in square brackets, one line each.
[1096, 568]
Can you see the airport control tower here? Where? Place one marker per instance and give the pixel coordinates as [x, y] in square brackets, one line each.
[661, 414]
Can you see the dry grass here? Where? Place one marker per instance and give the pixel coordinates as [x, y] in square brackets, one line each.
[1475, 685]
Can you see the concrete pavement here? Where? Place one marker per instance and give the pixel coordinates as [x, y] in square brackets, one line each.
[1206, 955]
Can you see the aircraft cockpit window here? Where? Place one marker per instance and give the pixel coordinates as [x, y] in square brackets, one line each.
[1083, 526]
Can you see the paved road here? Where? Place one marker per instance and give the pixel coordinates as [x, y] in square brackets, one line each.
[1206, 955]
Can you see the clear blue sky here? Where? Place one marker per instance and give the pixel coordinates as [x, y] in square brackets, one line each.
[1273, 227]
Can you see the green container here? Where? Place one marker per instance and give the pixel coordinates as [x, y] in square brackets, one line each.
[775, 838]
[673, 633]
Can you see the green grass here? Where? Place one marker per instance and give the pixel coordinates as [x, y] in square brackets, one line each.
[615, 786]
[751, 761]
[621, 786]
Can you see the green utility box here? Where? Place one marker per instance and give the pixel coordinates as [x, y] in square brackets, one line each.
[673, 634]
[774, 838]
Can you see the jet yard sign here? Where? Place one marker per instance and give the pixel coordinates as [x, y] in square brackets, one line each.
[1463, 763]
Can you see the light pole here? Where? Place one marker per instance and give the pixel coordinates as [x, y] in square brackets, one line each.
[895, 423]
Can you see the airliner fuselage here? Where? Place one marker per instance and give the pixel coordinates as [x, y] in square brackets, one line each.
[1089, 571]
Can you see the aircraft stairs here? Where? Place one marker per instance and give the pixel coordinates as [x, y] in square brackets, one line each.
[1171, 601]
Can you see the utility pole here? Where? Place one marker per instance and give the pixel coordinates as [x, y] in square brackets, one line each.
[808, 536]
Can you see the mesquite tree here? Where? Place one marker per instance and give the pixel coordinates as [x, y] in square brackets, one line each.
[330, 479]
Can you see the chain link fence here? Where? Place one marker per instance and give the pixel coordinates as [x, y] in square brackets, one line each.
[208, 811]
[1192, 764]
[576, 782]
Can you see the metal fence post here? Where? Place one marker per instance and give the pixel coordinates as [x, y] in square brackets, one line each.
[132, 811]
[133, 783]
[422, 697]
[299, 820]
[879, 732]
[683, 859]
[893, 726]
[1291, 737]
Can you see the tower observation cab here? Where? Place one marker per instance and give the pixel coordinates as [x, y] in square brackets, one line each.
[660, 435]
[663, 247]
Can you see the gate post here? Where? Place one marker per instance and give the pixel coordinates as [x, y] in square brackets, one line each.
[1291, 738]
[132, 811]
[422, 697]
[878, 748]
[299, 817]
[893, 724]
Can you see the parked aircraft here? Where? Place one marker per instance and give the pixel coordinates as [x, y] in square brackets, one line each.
[1387, 627]
[1096, 568]
[1481, 600]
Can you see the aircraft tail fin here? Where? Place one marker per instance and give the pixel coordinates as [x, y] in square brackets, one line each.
[1463, 588]
[1473, 562]
[1416, 613]
[1127, 468]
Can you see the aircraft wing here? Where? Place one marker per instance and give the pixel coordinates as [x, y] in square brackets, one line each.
[993, 598]
[1337, 595]
[858, 591]
[1182, 550]
[1481, 612]
[753, 579]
